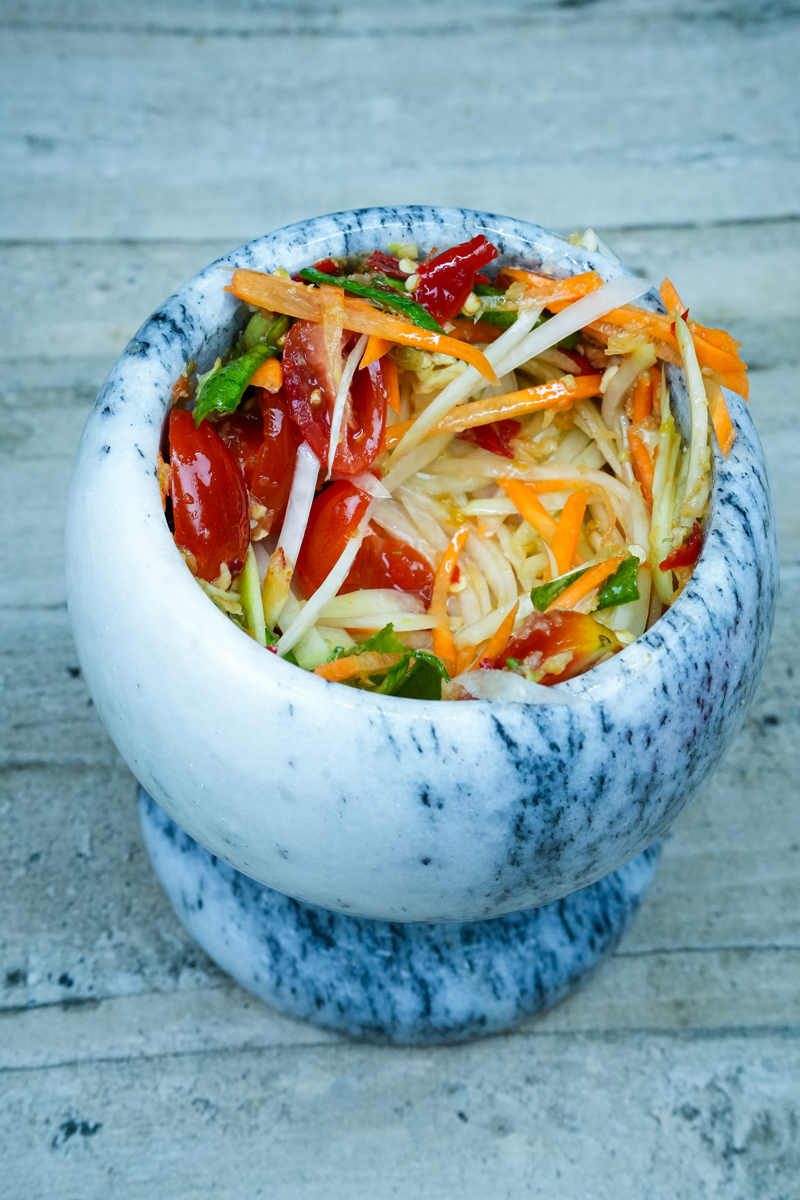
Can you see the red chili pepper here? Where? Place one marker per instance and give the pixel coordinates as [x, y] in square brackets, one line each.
[326, 265]
[687, 554]
[494, 437]
[385, 264]
[446, 280]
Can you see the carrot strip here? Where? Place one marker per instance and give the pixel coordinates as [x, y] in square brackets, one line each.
[587, 583]
[735, 381]
[720, 417]
[669, 295]
[443, 644]
[568, 530]
[357, 665]
[498, 641]
[392, 383]
[376, 348]
[555, 394]
[642, 464]
[269, 375]
[303, 301]
[530, 507]
[556, 294]
[642, 399]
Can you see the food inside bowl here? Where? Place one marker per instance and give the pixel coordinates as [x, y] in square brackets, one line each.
[406, 472]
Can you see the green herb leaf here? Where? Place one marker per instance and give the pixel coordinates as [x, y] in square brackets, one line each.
[424, 680]
[417, 676]
[542, 597]
[622, 586]
[399, 301]
[222, 390]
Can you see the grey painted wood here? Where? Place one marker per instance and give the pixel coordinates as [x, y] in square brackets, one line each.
[614, 118]
[141, 140]
[562, 1116]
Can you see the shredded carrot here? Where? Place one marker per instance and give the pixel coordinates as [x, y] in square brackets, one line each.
[304, 301]
[568, 530]
[443, 644]
[498, 641]
[530, 507]
[269, 375]
[357, 665]
[670, 297]
[555, 394]
[556, 294]
[587, 583]
[376, 348]
[720, 417]
[642, 464]
[642, 399]
[735, 381]
[392, 384]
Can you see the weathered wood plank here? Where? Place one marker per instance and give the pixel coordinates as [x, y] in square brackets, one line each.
[712, 134]
[728, 989]
[615, 1118]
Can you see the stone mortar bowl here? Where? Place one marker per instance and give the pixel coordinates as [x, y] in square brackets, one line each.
[388, 808]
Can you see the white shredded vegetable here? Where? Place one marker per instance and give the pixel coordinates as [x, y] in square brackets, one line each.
[342, 393]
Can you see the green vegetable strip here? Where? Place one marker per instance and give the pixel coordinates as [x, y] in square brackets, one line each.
[390, 299]
[621, 587]
[420, 681]
[222, 390]
[542, 597]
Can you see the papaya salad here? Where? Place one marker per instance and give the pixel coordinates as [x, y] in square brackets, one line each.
[415, 475]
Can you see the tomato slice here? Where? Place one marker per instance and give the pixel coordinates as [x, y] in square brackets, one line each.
[544, 636]
[384, 562]
[496, 437]
[243, 434]
[209, 497]
[311, 391]
[274, 467]
[334, 519]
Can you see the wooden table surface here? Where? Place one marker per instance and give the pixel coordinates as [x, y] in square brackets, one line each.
[139, 141]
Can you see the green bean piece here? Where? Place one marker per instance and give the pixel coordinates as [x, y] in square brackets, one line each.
[389, 298]
[255, 330]
[222, 390]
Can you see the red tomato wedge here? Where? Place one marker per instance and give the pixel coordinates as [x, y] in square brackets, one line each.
[243, 434]
[311, 391]
[543, 636]
[384, 562]
[274, 468]
[334, 519]
[496, 437]
[209, 497]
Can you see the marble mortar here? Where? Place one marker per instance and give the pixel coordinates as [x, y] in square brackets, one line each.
[376, 806]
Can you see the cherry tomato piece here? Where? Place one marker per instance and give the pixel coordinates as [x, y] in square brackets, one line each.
[446, 280]
[274, 468]
[311, 392]
[243, 434]
[209, 497]
[334, 519]
[495, 437]
[687, 554]
[384, 562]
[543, 636]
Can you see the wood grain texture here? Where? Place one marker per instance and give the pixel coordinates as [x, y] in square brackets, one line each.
[711, 134]
[553, 1118]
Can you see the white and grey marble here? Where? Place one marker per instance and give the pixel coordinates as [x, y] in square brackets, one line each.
[376, 806]
[405, 982]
